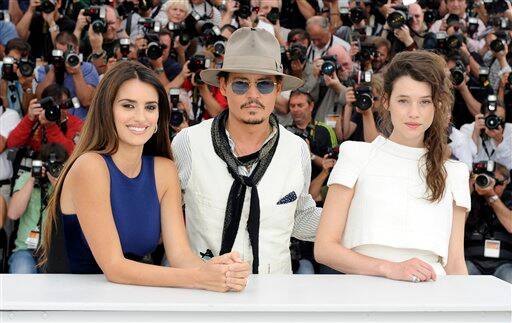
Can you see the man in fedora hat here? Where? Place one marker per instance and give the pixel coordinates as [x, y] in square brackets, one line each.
[245, 178]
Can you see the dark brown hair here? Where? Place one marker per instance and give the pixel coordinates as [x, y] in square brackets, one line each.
[99, 132]
[427, 67]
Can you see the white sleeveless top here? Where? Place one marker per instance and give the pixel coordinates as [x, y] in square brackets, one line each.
[389, 208]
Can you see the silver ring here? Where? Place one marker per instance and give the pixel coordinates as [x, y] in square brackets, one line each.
[415, 279]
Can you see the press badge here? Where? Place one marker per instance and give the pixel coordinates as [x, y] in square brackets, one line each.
[492, 248]
[33, 239]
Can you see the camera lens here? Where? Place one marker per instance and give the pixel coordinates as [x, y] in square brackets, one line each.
[73, 60]
[482, 180]
[219, 48]
[356, 15]
[497, 45]
[363, 100]
[328, 68]
[396, 19]
[154, 51]
[99, 26]
[457, 76]
[176, 117]
[26, 68]
[492, 122]
[454, 41]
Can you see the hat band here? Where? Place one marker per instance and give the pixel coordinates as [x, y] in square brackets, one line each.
[252, 62]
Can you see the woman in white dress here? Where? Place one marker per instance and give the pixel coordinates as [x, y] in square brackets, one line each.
[396, 206]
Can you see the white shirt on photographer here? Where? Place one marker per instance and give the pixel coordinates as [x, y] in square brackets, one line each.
[8, 121]
[501, 153]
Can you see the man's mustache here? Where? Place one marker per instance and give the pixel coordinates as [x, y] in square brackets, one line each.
[253, 101]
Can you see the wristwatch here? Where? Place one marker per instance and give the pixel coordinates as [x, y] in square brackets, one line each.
[53, 28]
[95, 56]
[159, 70]
[492, 199]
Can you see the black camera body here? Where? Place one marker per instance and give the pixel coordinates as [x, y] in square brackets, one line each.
[356, 15]
[198, 63]
[455, 41]
[47, 6]
[58, 60]
[53, 166]
[330, 65]
[273, 15]
[430, 16]
[298, 52]
[366, 53]
[155, 48]
[458, 73]
[26, 67]
[52, 110]
[492, 121]
[8, 72]
[177, 116]
[485, 173]
[497, 45]
[363, 92]
[180, 30]
[398, 17]
[244, 9]
[495, 6]
[98, 18]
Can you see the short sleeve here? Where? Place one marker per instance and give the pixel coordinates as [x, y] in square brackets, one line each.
[20, 182]
[458, 177]
[7, 32]
[350, 162]
[8, 121]
[90, 74]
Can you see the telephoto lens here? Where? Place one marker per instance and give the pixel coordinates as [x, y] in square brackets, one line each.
[26, 67]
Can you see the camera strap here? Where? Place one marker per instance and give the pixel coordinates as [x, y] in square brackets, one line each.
[311, 53]
[128, 28]
[156, 11]
[486, 151]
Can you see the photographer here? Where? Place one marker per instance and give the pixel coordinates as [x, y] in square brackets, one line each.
[34, 129]
[181, 111]
[326, 86]
[491, 137]
[499, 47]
[321, 137]
[40, 25]
[28, 202]
[319, 30]
[9, 119]
[488, 232]
[361, 111]
[455, 20]
[7, 32]
[206, 11]
[16, 85]
[80, 78]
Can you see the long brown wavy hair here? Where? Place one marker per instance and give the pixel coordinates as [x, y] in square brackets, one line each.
[99, 133]
[425, 67]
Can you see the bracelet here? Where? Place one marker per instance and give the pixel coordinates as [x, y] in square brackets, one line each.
[53, 28]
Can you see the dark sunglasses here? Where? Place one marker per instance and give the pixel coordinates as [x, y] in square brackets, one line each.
[263, 86]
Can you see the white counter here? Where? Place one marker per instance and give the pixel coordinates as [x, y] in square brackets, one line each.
[293, 298]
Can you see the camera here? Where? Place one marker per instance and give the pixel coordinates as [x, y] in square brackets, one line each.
[273, 15]
[497, 45]
[363, 93]
[244, 9]
[57, 58]
[149, 24]
[177, 116]
[219, 48]
[453, 20]
[198, 63]
[485, 173]
[208, 32]
[398, 17]
[330, 65]
[8, 72]
[298, 52]
[53, 166]
[366, 53]
[495, 6]
[492, 121]
[71, 58]
[455, 41]
[333, 152]
[472, 25]
[180, 30]
[4, 15]
[26, 67]
[458, 73]
[430, 16]
[52, 109]
[37, 169]
[98, 18]
[124, 47]
[125, 8]
[47, 6]
[357, 15]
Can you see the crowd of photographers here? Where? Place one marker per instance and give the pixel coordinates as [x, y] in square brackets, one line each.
[54, 52]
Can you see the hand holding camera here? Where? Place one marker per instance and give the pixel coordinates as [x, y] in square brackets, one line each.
[328, 163]
[34, 110]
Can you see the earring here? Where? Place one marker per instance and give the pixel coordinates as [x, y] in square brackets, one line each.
[156, 128]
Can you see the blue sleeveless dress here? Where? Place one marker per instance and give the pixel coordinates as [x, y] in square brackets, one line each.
[136, 211]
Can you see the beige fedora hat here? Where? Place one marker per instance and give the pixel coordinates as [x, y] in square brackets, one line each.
[252, 51]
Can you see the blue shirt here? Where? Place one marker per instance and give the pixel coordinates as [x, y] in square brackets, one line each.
[91, 77]
[7, 32]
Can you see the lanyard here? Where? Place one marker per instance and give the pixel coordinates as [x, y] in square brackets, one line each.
[312, 51]
[486, 151]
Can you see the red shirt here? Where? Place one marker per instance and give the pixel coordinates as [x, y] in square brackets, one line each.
[221, 99]
[20, 136]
